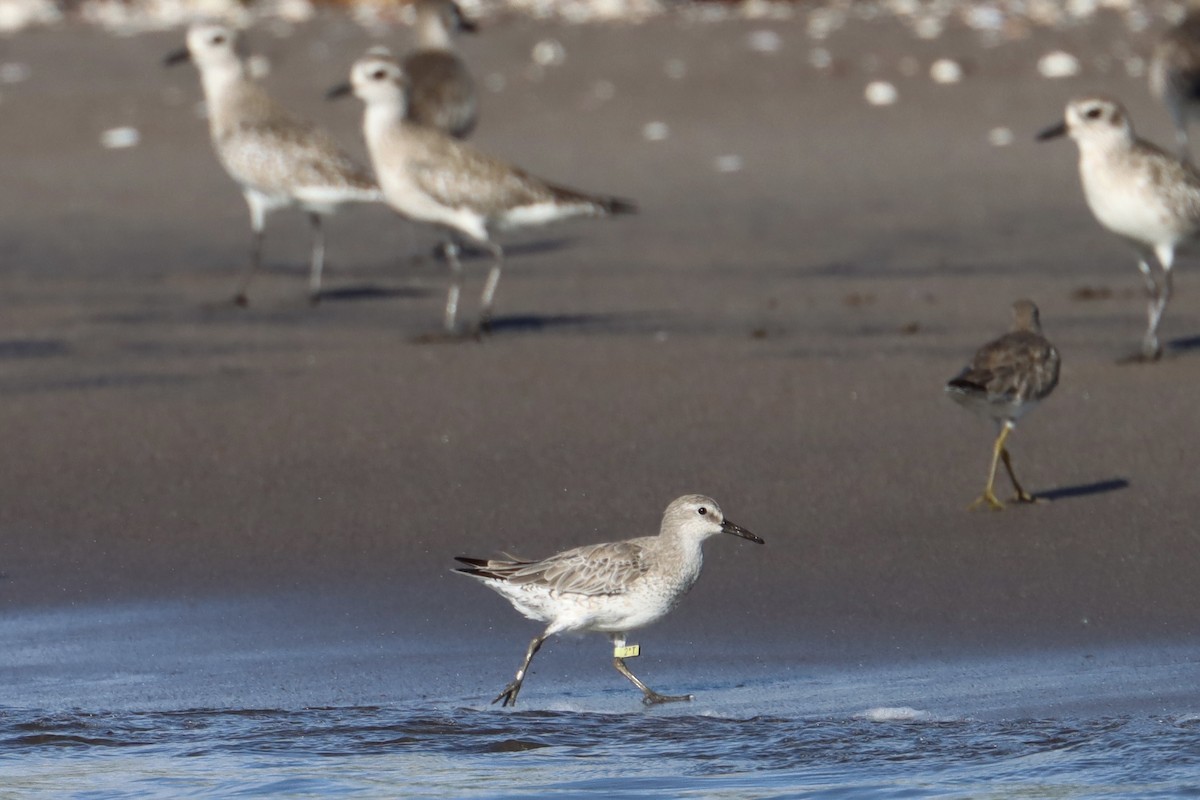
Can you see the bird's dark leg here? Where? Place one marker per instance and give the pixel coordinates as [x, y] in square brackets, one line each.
[649, 696]
[258, 216]
[988, 497]
[509, 695]
[318, 259]
[487, 299]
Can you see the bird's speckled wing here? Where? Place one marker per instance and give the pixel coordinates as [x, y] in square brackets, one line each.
[1177, 182]
[459, 176]
[267, 147]
[1019, 366]
[599, 569]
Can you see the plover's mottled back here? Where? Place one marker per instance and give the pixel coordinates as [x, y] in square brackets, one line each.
[1004, 381]
[432, 178]
[609, 588]
[1175, 76]
[277, 159]
[1138, 192]
[441, 90]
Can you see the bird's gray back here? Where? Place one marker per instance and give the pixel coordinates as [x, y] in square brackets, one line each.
[456, 175]
[1018, 367]
[262, 145]
[441, 92]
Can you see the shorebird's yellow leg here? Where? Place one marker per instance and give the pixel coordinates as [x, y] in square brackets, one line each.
[988, 497]
[1022, 495]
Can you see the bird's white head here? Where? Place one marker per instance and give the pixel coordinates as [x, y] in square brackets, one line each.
[210, 46]
[378, 80]
[1094, 120]
[695, 517]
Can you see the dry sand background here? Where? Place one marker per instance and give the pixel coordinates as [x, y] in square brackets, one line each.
[776, 337]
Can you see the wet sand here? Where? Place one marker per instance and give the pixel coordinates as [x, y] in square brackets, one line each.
[776, 337]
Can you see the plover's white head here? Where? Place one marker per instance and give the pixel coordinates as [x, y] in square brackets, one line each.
[695, 517]
[377, 79]
[1094, 120]
[211, 46]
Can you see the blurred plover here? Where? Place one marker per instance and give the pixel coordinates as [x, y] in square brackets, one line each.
[429, 177]
[277, 159]
[441, 92]
[1145, 196]
[1175, 76]
[611, 588]
[1004, 381]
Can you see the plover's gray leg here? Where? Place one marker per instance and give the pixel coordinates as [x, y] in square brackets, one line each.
[509, 695]
[318, 259]
[1166, 258]
[456, 277]
[258, 217]
[649, 696]
[487, 299]
[1159, 292]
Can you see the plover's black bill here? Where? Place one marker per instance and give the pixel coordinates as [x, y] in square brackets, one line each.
[738, 530]
[1053, 132]
[176, 57]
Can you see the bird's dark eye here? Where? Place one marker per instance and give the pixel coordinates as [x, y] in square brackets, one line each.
[703, 511]
[1093, 113]
[378, 75]
[218, 40]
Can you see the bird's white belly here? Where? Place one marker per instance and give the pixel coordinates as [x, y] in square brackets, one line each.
[411, 201]
[602, 613]
[1131, 208]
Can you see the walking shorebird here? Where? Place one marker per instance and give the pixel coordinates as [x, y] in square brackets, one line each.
[1175, 76]
[1138, 192]
[442, 92]
[277, 159]
[1004, 381]
[609, 588]
[431, 178]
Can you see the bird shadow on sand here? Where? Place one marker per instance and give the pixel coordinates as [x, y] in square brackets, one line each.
[32, 348]
[1184, 345]
[350, 294]
[1084, 489]
[581, 323]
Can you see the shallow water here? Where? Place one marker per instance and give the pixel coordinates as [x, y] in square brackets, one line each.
[370, 751]
[276, 696]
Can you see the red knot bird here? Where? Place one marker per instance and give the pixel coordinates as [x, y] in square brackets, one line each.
[432, 178]
[277, 159]
[1004, 381]
[441, 91]
[611, 588]
[1147, 197]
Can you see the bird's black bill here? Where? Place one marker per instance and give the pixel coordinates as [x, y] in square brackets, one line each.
[467, 26]
[177, 57]
[738, 530]
[1053, 132]
[339, 91]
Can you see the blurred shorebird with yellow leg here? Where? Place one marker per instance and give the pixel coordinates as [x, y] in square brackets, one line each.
[1004, 381]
